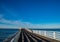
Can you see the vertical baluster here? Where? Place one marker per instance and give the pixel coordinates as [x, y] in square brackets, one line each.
[35, 31]
[39, 32]
[54, 37]
[44, 33]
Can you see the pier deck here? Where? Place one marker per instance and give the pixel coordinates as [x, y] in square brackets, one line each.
[28, 36]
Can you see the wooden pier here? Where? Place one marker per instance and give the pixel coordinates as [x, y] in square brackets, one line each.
[28, 36]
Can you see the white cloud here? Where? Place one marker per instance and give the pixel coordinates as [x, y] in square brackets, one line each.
[18, 23]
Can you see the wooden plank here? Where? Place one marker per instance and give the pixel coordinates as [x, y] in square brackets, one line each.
[22, 38]
[31, 37]
[27, 38]
[36, 37]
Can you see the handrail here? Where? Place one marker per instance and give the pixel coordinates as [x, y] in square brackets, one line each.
[50, 34]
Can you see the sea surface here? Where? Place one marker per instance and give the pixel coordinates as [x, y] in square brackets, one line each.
[5, 33]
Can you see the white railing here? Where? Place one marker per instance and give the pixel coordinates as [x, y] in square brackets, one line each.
[50, 34]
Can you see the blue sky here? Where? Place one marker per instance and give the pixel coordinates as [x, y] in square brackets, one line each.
[30, 12]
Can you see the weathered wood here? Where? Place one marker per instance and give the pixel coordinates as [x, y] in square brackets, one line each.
[27, 37]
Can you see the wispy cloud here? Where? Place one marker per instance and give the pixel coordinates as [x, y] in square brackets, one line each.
[1, 16]
[19, 23]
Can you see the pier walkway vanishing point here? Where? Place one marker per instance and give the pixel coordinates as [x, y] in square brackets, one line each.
[25, 35]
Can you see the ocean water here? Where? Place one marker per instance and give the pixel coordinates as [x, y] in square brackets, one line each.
[5, 33]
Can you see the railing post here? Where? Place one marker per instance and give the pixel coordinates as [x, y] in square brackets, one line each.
[40, 32]
[54, 37]
[44, 33]
[37, 31]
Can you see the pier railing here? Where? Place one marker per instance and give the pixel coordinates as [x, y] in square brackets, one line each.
[49, 34]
